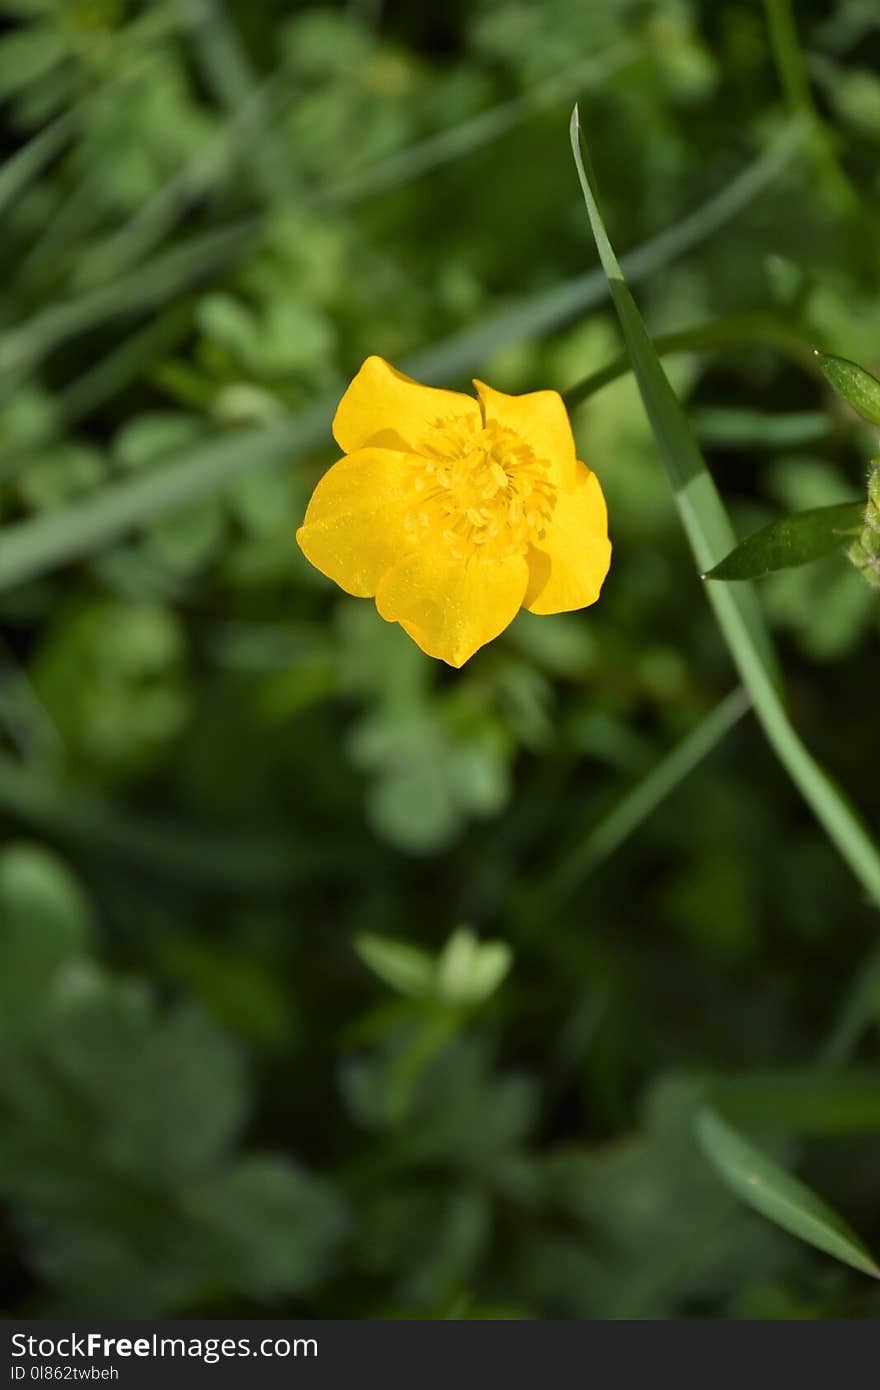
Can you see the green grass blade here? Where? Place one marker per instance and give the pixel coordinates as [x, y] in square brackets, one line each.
[710, 534]
[793, 540]
[160, 279]
[184, 851]
[472, 134]
[226, 68]
[733, 331]
[408, 969]
[156, 217]
[121, 366]
[600, 841]
[702, 512]
[250, 118]
[761, 1183]
[32, 546]
[542, 313]
[737, 427]
[861, 1011]
[795, 82]
[455, 356]
[26, 163]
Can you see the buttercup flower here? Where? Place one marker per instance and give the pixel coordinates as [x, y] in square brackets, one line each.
[455, 512]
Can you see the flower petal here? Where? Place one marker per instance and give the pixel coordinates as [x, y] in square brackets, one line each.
[541, 419]
[452, 607]
[354, 529]
[388, 410]
[568, 566]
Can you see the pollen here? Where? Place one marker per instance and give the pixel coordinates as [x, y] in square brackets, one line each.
[482, 487]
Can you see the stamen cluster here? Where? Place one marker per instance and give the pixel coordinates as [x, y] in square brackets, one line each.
[486, 487]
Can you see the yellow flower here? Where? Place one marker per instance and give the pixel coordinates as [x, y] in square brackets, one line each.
[454, 513]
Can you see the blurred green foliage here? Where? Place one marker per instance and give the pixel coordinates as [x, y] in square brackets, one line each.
[252, 1063]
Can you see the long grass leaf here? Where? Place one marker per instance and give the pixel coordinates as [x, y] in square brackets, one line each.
[710, 534]
[227, 71]
[32, 546]
[247, 120]
[472, 134]
[169, 274]
[234, 860]
[121, 366]
[600, 841]
[760, 1182]
[861, 1011]
[158, 215]
[795, 82]
[462, 352]
[26, 163]
[547, 311]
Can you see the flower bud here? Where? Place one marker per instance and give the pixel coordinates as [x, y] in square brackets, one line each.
[865, 551]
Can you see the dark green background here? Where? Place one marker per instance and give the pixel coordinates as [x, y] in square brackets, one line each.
[217, 772]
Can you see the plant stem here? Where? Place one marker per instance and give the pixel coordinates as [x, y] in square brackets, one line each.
[735, 330]
[795, 82]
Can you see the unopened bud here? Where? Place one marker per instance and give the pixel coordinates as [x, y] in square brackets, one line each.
[865, 552]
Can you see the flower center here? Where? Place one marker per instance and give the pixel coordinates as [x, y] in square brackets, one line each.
[482, 486]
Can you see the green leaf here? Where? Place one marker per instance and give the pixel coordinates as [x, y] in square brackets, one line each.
[167, 1212]
[792, 540]
[469, 971]
[763, 1184]
[859, 388]
[46, 924]
[112, 676]
[408, 969]
[271, 1226]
